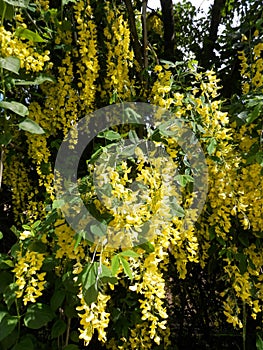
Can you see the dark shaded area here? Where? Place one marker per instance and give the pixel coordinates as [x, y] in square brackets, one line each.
[6, 220]
[169, 28]
[195, 312]
[208, 55]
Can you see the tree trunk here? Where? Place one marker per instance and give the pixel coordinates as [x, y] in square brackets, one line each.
[168, 25]
[208, 54]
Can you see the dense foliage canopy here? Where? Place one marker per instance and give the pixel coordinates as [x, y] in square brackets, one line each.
[196, 281]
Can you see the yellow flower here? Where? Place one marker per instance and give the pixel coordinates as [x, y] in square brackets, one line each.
[25, 235]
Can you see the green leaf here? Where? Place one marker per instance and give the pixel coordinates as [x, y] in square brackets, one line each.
[255, 113]
[25, 343]
[15, 231]
[144, 229]
[90, 282]
[15, 107]
[10, 294]
[59, 327]
[147, 246]
[65, 2]
[38, 315]
[168, 63]
[18, 3]
[211, 147]
[133, 137]
[70, 307]
[98, 229]
[58, 203]
[12, 64]
[259, 158]
[31, 126]
[26, 227]
[71, 347]
[183, 180]
[2, 315]
[78, 238]
[252, 102]
[113, 98]
[243, 239]
[74, 336]
[10, 340]
[166, 132]
[5, 279]
[115, 264]
[29, 35]
[37, 246]
[129, 253]
[176, 209]
[126, 267]
[5, 139]
[68, 283]
[127, 151]
[110, 135]
[8, 262]
[242, 259]
[133, 116]
[6, 10]
[49, 264]
[259, 342]
[243, 115]
[14, 249]
[106, 275]
[38, 81]
[89, 274]
[57, 299]
[36, 224]
[1, 235]
[212, 233]
[7, 325]
[90, 295]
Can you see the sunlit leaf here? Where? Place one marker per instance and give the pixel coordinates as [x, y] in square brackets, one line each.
[18, 3]
[29, 35]
[31, 126]
[12, 64]
[15, 107]
[126, 267]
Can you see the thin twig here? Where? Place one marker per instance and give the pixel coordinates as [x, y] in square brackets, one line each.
[145, 37]
[68, 330]
[135, 38]
[1, 166]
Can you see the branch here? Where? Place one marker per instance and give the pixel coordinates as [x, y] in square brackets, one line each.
[168, 26]
[1, 166]
[209, 41]
[145, 39]
[135, 38]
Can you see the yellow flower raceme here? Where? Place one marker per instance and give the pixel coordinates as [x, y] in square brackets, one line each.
[88, 66]
[66, 243]
[120, 55]
[29, 58]
[93, 317]
[29, 279]
[16, 176]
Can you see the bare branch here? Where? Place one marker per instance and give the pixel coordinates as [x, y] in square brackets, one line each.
[145, 39]
[135, 39]
[1, 166]
[208, 54]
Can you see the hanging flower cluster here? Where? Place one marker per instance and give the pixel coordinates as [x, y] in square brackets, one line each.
[115, 287]
[120, 57]
[28, 278]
